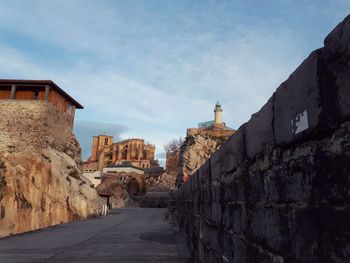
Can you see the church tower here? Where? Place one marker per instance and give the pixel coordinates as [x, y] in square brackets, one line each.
[218, 114]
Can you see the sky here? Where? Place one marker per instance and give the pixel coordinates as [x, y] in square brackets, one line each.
[151, 69]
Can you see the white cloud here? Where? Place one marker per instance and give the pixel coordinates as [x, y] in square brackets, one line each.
[156, 72]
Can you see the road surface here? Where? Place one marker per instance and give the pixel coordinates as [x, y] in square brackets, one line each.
[125, 235]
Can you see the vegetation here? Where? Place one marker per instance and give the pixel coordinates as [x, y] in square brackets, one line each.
[74, 173]
[174, 145]
[221, 140]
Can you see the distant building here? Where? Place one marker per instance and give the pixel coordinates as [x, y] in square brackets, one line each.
[105, 152]
[214, 128]
[39, 90]
[203, 141]
[94, 177]
[126, 167]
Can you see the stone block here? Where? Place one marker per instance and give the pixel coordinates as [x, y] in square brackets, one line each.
[194, 179]
[210, 236]
[253, 186]
[215, 166]
[270, 226]
[337, 59]
[228, 249]
[200, 176]
[259, 129]
[213, 257]
[257, 254]
[338, 40]
[233, 189]
[297, 106]
[291, 181]
[234, 218]
[232, 152]
[332, 175]
[216, 214]
[215, 192]
[204, 174]
[240, 250]
[306, 226]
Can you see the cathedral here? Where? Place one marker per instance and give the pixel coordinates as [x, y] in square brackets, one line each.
[134, 151]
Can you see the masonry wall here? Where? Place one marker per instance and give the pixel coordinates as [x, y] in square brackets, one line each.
[32, 123]
[278, 189]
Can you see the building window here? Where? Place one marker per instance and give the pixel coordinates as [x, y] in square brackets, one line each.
[97, 177]
[106, 141]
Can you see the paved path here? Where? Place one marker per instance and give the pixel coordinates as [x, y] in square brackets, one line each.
[125, 235]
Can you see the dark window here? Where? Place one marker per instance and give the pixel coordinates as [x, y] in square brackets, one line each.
[36, 95]
[106, 141]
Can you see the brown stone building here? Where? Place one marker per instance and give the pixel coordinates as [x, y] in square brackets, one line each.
[133, 151]
[39, 90]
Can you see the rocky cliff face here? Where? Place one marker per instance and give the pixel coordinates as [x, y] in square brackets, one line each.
[195, 150]
[161, 183]
[40, 179]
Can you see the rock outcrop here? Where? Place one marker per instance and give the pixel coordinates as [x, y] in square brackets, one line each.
[195, 150]
[161, 183]
[121, 188]
[40, 169]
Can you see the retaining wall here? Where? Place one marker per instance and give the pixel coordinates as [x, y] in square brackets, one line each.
[278, 189]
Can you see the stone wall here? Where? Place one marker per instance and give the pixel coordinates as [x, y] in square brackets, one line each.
[278, 189]
[40, 169]
[28, 124]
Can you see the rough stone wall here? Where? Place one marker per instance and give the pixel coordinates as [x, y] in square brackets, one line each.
[37, 123]
[161, 183]
[278, 190]
[121, 187]
[40, 179]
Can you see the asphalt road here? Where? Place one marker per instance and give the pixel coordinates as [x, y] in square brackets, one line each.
[125, 235]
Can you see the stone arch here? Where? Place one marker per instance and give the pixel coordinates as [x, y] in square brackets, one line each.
[133, 187]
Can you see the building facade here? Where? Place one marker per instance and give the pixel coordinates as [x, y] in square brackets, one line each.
[39, 90]
[124, 167]
[105, 152]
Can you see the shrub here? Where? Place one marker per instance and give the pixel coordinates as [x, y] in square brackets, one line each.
[74, 173]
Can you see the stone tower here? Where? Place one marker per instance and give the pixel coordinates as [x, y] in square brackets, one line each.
[218, 114]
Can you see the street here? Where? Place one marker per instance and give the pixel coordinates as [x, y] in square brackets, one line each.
[125, 235]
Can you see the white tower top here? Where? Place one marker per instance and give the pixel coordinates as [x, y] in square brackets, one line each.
[218, 113]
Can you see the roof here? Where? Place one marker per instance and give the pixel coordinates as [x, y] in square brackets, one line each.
[44, 83]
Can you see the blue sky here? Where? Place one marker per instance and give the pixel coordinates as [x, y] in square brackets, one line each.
[151, 69]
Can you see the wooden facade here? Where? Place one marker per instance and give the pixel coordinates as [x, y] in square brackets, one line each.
[41, 90]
